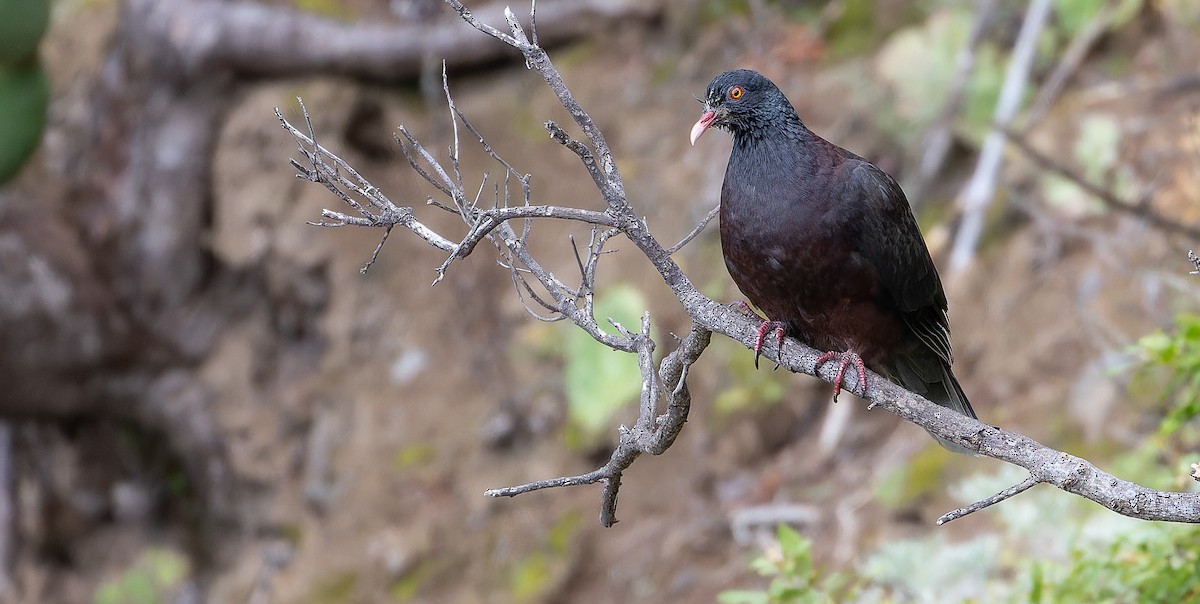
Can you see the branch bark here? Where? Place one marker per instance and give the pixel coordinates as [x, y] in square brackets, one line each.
[657, 427]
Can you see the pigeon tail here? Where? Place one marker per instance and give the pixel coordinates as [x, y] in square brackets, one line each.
[932, 379]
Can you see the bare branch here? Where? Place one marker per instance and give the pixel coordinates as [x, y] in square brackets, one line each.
[1020, 487]
[585, 155]
[652, 433]
[696, 231]
[488, 220]
[608, 179]
[331, 177]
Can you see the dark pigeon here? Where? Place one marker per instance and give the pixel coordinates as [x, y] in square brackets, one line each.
[826, 245]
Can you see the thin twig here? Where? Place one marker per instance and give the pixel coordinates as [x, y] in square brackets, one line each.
[533, 21]
[375, 254]
[330, 175]
[696, 231]
[610, 183]
[561, 137]
[489, 220]
[1024, 485]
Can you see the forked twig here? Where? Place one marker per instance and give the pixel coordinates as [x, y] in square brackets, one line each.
[652, 433]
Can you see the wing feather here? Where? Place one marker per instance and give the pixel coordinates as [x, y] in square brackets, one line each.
[891, 241]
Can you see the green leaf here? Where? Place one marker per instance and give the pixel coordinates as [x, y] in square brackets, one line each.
[764, 566]
[21, 28]
[1036, 583]
[601, 381]
[791, 543]
[24, 95]
[530, 576]
[1155, 343]
[167, 568]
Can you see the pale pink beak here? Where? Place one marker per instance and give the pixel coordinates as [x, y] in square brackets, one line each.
[706, 120]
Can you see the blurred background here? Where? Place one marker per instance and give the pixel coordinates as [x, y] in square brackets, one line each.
[204, 400]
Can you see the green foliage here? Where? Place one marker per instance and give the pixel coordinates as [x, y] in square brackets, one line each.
[600, 381]
[24, 89]
[21, 29]
[933, 569]
[1178, 355]
[154, 577]
[408, 586]
[1047, 547]
[794, 579]
[719, 10]
[1156, 564]
[852, 32]
[414, 455]
[918, 62]
[859, 26]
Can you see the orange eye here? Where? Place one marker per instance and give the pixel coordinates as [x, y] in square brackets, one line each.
[735, 93]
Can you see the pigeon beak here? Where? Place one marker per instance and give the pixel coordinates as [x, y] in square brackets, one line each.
[705, 121]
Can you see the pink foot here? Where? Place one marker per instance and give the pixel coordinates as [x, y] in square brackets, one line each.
[762, 335]
[763, 330]
[845, 359]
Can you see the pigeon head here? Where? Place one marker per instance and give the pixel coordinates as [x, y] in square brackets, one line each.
[745, 103]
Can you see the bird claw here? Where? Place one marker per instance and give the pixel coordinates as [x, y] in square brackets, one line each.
[765, 327]
[845, 359]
